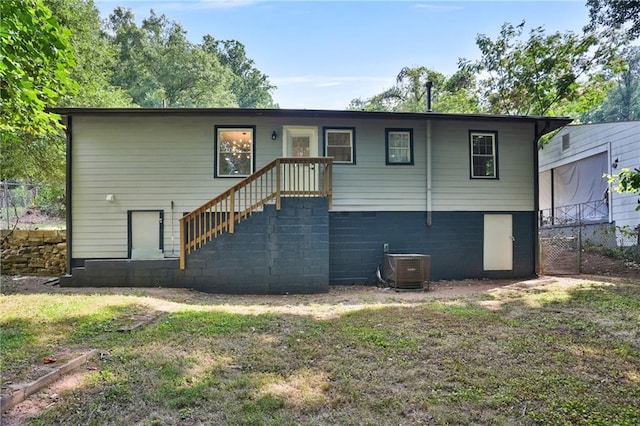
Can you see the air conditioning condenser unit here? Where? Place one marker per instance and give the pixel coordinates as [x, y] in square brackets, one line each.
[407, 271]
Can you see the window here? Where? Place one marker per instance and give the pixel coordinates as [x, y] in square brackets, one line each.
[566, 142]
[235, 148]
[339, 143]
[484, 157]
[399, 144]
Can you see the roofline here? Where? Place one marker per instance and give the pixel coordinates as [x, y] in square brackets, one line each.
[549, 123]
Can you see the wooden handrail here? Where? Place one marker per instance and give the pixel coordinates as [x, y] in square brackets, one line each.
[282, 177]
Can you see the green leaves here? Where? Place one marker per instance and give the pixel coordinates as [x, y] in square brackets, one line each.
[35, 72]
[158, 64]
[539, 75]
[627, 180]
[615, 14]
[409, 94]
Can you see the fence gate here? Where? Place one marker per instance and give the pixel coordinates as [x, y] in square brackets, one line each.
[560, 255]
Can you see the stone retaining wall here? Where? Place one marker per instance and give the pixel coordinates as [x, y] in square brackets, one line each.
[34, 252]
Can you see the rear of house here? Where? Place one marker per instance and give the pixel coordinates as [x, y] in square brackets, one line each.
[351, 186]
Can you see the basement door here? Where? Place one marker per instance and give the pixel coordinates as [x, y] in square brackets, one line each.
[145, 234]
[498, 242]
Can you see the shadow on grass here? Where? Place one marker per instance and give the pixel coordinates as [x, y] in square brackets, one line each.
[543, 353]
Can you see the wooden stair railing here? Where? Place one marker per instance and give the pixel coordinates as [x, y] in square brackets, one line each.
[283, 177]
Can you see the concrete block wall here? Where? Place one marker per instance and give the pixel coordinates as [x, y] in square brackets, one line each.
[284, 251]
[278, 252]
[124, 273]
[454, 241]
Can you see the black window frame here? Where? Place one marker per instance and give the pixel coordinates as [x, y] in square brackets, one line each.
[494, 135]
[216, 165]
[387, 131]
[327, 129]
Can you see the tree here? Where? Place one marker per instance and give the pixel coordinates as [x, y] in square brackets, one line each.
[615, 14]
[409, 94]
[35, 74]
[250, 86]
[542, 75]
[41, 157]
[95, 56]
[35, 68]
[623, 99]
[158, 65]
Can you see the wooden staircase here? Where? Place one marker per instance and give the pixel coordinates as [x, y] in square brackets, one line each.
[283, 177]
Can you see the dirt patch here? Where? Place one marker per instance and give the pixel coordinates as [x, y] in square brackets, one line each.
[596, 264]
[33, 218]
[46, 398]
[336, 294]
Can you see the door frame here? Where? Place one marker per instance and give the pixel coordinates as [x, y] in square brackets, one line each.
[130, 230]
[311, 131]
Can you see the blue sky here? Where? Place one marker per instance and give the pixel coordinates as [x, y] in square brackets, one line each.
[323, 54]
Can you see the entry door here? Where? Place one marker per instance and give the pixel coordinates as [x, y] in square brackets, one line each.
[498, 242]
[300, 141]
[145, 234]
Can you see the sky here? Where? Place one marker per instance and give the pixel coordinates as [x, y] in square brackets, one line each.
[323, 54]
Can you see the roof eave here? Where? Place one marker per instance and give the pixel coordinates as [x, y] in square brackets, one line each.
[551, 123]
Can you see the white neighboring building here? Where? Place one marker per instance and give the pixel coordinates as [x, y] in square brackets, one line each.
[572, 188]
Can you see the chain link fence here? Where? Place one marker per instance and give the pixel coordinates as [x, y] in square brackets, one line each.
[21, 201]
[560, 255]
[15, 198]
[563, 249]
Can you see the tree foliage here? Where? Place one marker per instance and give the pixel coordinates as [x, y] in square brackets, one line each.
[615, 14]
[622, 102]
[34, 68]
[628, 180]
[544, 74]
[158, 66]
[409, 94]
[249, 85]
[95, 56]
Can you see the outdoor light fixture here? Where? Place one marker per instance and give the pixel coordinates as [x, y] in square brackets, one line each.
[274, 135]
[110, 197]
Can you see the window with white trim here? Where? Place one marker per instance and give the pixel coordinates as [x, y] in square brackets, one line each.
[235, 147]
[399, 146]
[484, 158]
[339, 143]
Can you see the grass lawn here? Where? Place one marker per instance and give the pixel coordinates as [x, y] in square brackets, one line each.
[547, 351]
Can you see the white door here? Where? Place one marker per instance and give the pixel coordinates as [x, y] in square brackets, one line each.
[145, 232]
[300, 142]
[498, 242]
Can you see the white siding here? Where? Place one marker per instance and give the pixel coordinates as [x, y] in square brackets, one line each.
[454, 190]
[145, 166]
[148, 162]
[590, 139]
